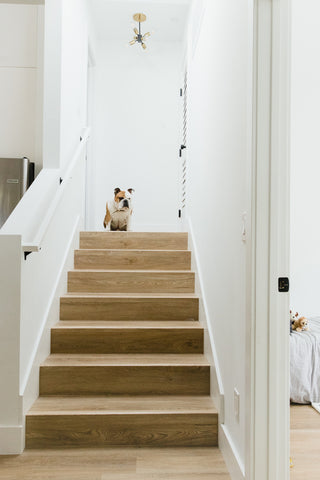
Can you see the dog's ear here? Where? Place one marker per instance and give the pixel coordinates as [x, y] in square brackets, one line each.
[131, 190]
[117, 190]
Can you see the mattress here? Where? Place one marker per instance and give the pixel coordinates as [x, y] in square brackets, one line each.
[305, 364]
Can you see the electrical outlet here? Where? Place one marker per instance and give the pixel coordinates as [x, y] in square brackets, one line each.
[236, 403]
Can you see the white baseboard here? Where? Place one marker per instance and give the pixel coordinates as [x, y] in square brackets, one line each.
[11, 440]
[229, 453]
[316, 406]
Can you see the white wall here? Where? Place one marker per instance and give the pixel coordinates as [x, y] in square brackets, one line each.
[136, 130]
[74, 76]
[219, 133]
[305, 154]
[30, 287]
[65, 80]
[21, 38]
[38, 289]
[29, 302]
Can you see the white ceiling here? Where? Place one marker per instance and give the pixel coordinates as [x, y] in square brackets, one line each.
[112, 19]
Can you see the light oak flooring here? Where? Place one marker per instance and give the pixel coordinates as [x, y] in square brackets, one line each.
[305, 443]
[116, 464]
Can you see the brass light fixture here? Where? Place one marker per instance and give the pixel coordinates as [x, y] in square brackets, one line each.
[139, 38]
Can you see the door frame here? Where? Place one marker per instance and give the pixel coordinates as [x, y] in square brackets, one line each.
[267, 382]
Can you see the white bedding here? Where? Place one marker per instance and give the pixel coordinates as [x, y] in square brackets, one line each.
[305, 364]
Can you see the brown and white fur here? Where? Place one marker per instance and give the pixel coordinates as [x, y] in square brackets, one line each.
[119, 211]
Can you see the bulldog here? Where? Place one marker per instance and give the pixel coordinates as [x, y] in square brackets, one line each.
[119, 210]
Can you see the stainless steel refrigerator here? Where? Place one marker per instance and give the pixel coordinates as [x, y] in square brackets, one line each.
[16, 174]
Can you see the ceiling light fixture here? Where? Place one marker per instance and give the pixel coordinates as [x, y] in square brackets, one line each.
[139, 38]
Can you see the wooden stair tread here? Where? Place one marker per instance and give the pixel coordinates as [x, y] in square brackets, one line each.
[92, 296]
[127, 324]
[123, 250]
[130, 281]
[147, 337]
[126, 359]
[138, 322]
[135, 234]
[101, 405]
[141, 240]
[129, 306]
[131, 259]
[130, 272]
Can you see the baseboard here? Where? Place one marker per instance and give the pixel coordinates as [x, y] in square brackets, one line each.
[11, 440]
[217, 392]
[233, 462]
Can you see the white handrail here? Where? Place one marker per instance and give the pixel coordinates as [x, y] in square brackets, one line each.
[35, 245]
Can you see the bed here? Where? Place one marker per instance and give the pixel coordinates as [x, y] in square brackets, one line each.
[305, 364]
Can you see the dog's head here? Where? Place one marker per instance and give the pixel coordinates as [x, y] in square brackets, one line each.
[123, 198]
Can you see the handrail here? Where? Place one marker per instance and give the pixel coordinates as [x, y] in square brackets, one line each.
[35, 245]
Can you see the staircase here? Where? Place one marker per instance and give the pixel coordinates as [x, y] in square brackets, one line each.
[126, 364]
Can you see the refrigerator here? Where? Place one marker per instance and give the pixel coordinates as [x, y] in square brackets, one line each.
[16, 175]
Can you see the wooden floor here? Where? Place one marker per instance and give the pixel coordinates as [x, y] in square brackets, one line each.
[116, 464]
[305, 443]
